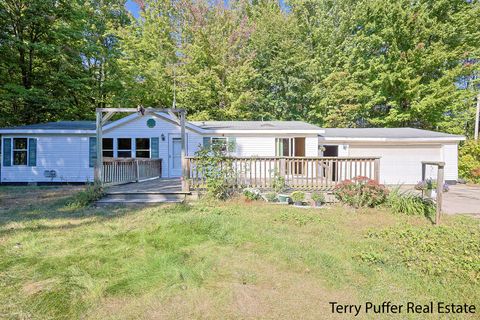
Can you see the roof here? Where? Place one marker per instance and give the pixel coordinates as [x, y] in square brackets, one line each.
[59, 125]
[386, 133]
[255, 125]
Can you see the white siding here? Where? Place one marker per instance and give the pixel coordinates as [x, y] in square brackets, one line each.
[450, 156]
[68, 156]
[400, 164]
[138, 129]
[247, 145]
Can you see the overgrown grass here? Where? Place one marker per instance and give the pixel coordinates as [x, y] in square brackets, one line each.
[226, 260]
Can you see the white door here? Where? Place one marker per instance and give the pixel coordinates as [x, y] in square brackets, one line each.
[175, 157]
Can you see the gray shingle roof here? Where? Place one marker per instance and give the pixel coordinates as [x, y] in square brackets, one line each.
[389, 133]
[255, 125]
[59, 125]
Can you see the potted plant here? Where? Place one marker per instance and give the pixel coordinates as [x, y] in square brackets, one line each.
[318, 198]
[429, 186]
[298, 197]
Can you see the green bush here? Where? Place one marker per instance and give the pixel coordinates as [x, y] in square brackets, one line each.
[298, 196]
[361, 192]
[410, 204]
[318, 197]
[278, 183]
[252, 194]
[469, 161]
[84, 198]
[271, 197]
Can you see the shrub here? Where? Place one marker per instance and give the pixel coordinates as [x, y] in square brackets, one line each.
[217, 169]
[278, 182]
[410, 204]
[252, 194]
[86, 197]
[469, 161]
[271, 197]
[361, 192]
[298, 196]
[318, 197]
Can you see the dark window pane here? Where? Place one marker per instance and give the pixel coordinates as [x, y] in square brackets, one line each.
[143, 154]
[142, 143]
[124, 144]
[124, 154]
[108, 153]
[20, 158]
[20, 143]
[107, 143]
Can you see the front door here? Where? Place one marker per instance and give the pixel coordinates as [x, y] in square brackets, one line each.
[175, 156]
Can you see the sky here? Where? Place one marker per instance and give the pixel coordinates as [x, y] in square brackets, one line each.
[135, 8]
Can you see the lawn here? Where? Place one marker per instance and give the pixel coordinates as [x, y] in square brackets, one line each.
[224, 260]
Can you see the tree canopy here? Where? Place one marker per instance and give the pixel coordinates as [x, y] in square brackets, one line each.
[370, 63]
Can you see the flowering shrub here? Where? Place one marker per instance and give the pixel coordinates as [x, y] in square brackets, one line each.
[361, 192]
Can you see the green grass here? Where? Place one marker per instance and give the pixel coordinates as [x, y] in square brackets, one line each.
[223, 260]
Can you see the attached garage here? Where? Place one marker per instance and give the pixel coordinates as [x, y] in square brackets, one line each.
[401, 151]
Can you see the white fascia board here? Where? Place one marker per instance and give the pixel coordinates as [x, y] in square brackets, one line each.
[249, 132]
[44, 131]
[380, 140]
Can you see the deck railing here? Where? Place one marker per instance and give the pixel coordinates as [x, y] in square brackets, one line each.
[119, 171]
[302, 173]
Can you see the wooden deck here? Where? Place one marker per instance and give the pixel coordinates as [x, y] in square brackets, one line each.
[151, 191]
[162, 185]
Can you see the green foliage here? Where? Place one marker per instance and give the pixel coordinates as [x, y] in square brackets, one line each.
[410, 204]
[271, 196]
[469, 161]
[361, 192]
[430, 249]
[217, 170]
[318, 197]
[86, 197]
[298, 196]
[252, 194]
[278, 182]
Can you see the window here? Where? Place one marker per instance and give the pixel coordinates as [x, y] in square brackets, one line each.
[124, 147]
[107, 145]
[20, 151]
[290, 147]
[142, 147]
[220, 143]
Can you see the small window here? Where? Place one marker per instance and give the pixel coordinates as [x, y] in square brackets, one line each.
[142, 147]
[124, 146]
[20, 151]
[107, 145]
[220, 143]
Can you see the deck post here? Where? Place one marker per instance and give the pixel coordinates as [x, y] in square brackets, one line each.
[377, 170]
[184, 144]
[99, 160]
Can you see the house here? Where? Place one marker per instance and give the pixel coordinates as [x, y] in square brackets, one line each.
[64, 152]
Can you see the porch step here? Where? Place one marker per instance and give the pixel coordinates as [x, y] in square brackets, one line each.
[144, 197]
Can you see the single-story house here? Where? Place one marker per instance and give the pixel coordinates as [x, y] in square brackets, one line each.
[64, 151]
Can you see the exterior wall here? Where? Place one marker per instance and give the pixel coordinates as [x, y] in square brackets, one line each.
[450, 156]
[138, 129]
[401, 163]
[67, 155]
[247, 145]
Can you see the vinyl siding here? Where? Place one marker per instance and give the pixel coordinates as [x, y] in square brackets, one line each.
[67, 155]
[400, 164]
[450, 156]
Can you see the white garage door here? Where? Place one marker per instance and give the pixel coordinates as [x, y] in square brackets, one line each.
[400, 164]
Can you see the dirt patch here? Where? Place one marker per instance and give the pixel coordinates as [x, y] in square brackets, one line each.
[35, 287]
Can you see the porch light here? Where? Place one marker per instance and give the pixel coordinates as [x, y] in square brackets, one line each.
[162, 136]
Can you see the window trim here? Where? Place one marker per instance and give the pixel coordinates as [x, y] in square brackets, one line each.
[13, 152]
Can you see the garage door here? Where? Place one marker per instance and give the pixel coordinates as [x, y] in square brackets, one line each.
[400, 164]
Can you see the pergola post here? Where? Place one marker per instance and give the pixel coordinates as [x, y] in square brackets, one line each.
[99, 160]
[185, 187]
[440, 176]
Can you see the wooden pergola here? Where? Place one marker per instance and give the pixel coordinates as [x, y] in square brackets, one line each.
[104, 114]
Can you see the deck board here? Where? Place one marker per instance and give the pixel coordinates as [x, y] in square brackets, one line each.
[162, 185]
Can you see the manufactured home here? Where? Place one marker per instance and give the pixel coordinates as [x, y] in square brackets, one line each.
[65, 151]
